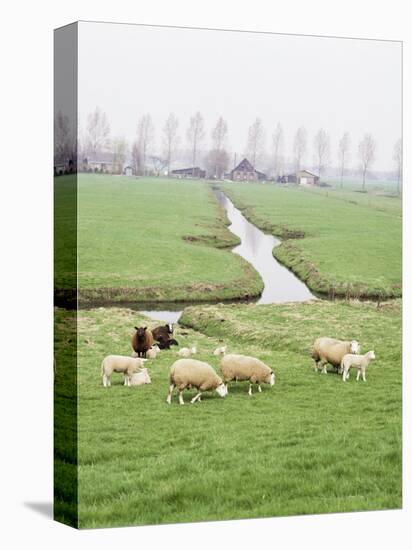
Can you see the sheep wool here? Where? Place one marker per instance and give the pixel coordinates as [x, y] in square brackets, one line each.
[243, 367]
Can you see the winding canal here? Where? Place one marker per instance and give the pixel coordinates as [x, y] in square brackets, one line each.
[281, 285]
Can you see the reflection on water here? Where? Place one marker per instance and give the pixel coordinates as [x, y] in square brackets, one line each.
[281, 285]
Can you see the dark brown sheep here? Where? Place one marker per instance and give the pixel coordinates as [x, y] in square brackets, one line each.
[142, 340]
[163, 332]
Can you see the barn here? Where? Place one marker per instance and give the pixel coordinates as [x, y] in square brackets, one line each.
[307, 178]
[244, 171]
[194, 172]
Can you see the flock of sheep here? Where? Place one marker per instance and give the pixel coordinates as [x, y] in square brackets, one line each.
[188, 373]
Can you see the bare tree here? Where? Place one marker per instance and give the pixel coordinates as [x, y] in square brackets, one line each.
[136, 158]
[278, 142]
[321, 145]
[398, 158]
[159, 164]
[255, 141]
[343, 153]
[97, 131]
[145, 136]
[195, 134]
[218, 158]
[299, 147]
[171, 138]
[64, 141]
[366, 152]
[119, 146]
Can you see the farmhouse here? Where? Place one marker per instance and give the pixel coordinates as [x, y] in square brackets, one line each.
[307, 178]
[101, 162]
[194, 172]
[244, 171]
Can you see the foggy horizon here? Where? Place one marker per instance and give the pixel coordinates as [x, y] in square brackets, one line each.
[340, 85]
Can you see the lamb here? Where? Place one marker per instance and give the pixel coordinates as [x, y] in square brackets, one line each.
[166, 343]
[220, 351]
[119, 363]
[140, 378]
[242, 367]
[190, 373]
[329, 350]
[358, 361]
[152, 352]
[187, 352]
[142, 340]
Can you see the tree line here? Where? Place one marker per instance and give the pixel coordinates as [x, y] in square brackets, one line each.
[211, 150]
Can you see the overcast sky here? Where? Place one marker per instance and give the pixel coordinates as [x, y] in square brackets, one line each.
[338, 84]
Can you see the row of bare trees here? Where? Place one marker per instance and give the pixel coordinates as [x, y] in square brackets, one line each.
[96, 138]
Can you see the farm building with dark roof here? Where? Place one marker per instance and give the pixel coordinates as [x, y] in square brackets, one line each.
[244, 171]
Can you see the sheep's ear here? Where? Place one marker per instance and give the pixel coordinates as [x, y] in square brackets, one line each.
[145, 328]
[136, 328]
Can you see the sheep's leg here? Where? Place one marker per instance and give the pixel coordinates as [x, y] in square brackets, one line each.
[181, 402]
[250, 389]
[104, 380]
[364, 375]
[259, 388]
[124, 380]
[358, 375]
[169, 395]
[196, 397]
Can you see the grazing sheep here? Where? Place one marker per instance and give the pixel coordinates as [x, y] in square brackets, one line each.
[359, 362]
[187, 352]
[119, 363]
[163, 331]
[142, 340]
[220, 351]
[190, 373]
[140, 378]
[242, 367]
[152, 352]
[329, 350]
[166, 343]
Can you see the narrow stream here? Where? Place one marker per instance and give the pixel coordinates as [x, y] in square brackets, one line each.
[281, 285]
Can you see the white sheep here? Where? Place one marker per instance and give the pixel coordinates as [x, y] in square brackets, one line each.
[187, 352]
[220, 351]
[359, 362]
[152, 352]
[243, 367]
[190, 373]
[140, 378]
[330, 350]
[119, 363]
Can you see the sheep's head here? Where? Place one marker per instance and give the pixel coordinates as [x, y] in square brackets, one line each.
[221, 390]
[140, 332]
[169, 327]
[371, 354]
[271, 378]
[354, 347]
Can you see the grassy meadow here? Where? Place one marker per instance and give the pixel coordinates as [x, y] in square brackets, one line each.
[149, 239]
[310, 444]
[341, 243]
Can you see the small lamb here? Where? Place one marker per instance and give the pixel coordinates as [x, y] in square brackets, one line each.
[152, 352]
[140, 378]
[187, 352]
[359, 362]
[119, 363]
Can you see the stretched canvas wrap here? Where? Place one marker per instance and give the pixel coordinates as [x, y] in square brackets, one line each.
[228, 293]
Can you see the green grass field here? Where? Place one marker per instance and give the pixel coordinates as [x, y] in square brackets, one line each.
[152, 239]
[310, 444]
[352, 241]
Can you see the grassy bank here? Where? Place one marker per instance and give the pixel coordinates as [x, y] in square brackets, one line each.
[310, 444]
[152, 239]
[337, 243]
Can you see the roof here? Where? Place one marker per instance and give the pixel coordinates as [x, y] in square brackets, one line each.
[244, 166]
[310, 173]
